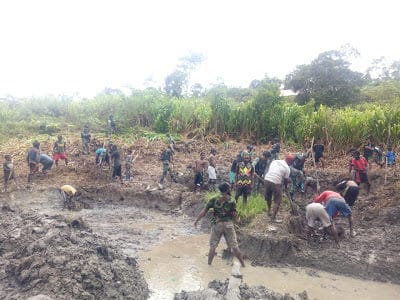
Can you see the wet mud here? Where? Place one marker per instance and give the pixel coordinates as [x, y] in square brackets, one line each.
[45, 250]
[62, 258]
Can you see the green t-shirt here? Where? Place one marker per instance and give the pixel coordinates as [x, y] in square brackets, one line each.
[223, 211]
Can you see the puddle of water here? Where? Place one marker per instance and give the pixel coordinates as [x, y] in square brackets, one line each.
[181, 264]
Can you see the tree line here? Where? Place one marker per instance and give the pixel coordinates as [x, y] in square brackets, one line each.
[332, 102]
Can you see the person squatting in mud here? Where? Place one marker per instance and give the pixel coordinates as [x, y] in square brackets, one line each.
[334, 204]
[46, 161]
[359, 165]
[244, 179]
[314, 212]
[223, 222]
[349, 189]
[68, 194]
[102, 156]
[277, 175]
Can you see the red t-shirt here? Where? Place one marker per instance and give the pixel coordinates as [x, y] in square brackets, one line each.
[360, 164]
[323, 197]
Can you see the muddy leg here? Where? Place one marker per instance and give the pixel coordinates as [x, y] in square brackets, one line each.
[211, 255]
[268, 199]
[164, 173]
[276, 208]
[238, 255]
[171, 173]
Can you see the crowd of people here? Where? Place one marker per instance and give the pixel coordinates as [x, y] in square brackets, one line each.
[266, 174]
[250, 173]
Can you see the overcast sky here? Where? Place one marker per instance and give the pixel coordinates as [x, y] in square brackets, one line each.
[57, 46]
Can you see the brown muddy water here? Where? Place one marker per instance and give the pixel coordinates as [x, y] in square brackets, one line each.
[173, 254]
[181, 264]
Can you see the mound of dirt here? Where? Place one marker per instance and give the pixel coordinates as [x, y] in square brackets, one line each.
[58, 258]
[218, 290]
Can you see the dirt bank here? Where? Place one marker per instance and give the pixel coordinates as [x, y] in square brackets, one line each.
[63, 259]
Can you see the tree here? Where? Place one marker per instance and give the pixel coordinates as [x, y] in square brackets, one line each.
[395, 70]
[197, 90]
[264, 83]
[328, 80]
[176, 83]
[379, 69]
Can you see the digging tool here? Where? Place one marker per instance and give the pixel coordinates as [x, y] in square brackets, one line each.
[386, 160]
[293, 206]
[315, 165]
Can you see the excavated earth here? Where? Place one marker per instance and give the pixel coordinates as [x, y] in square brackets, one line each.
[91, 252]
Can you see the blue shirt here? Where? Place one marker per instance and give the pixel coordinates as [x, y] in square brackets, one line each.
[335, 205]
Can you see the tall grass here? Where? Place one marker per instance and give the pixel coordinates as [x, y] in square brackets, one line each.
[261, 116]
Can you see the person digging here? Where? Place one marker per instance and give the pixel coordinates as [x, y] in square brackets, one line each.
[223, 224]
[68, 194]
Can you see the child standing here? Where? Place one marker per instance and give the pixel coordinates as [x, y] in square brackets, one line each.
[390, 157]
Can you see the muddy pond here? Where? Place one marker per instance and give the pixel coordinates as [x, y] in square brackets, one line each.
[172, 253]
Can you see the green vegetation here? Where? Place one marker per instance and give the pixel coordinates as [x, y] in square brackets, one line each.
[260, 118]
[256, 205]
[333, 103]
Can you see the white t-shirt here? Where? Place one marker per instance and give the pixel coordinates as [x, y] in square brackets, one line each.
[212, 174]
[278, 170]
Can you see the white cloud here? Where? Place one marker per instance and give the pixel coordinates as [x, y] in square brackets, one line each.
[65, 46]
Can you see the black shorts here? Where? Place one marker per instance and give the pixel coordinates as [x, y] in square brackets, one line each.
[363, 178]
[318, 156]
[351, 194]
[244, 190]
[116, 171]
[198, 179]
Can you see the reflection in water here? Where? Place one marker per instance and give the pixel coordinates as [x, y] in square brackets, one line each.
[181, 264]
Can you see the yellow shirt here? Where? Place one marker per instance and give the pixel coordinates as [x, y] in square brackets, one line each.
[68, 189]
